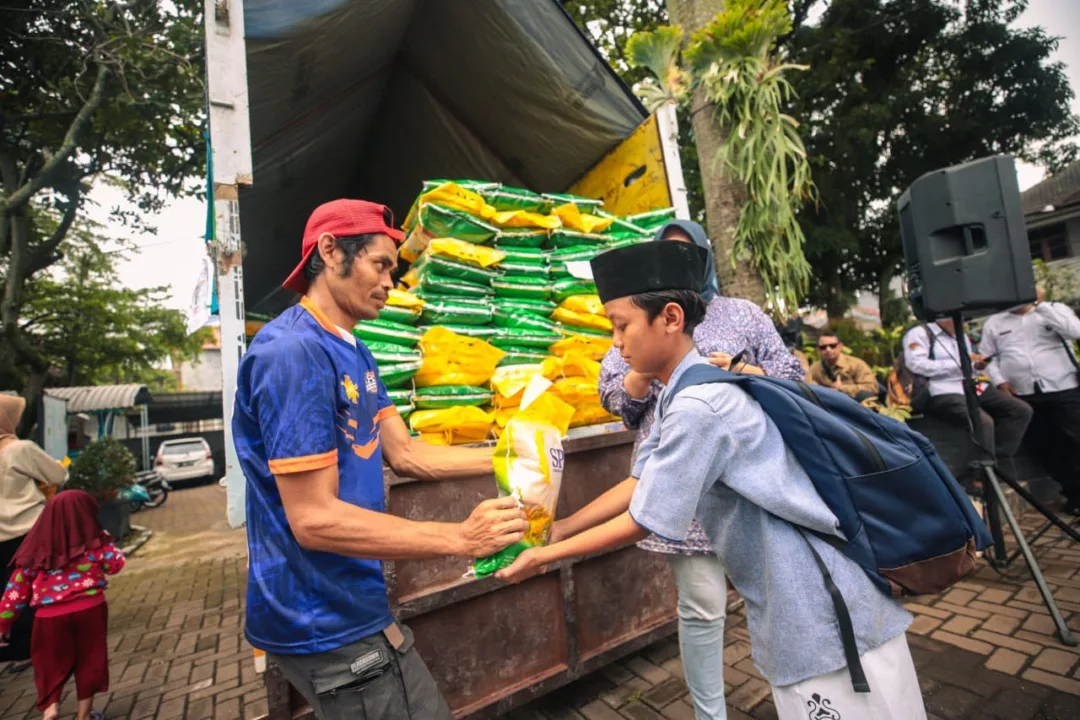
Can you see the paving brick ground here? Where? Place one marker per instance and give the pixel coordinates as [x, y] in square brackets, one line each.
[984, 650]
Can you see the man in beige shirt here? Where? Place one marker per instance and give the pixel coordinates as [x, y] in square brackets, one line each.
[845, 373]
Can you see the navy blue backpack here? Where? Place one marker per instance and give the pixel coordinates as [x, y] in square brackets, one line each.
[908, 522]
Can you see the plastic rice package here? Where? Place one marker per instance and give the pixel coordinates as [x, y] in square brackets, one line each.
[435, 283]
[521, 356]
[396, 375]
[528, 464]
[581, 320]
[385, 352]
[525, 255]
[506, 198]
[455, 196]
[562, 237]
[452, 359]
[562, 289]
[583, 204]
[652, 220]
[403, 299]
[453, 425]
[509, 383]
[517, 337]
[447, 268]
[522, 286]
[624, 242]
[440, 222]
[429, 296]
[592, 414]
[516, 268]
[543, 308]
[523, 321]
[403, 315]
[473, 331]
[387, 331]
[573, 219]
[443, 396]
[465, 252]
[594, 348]
[456, 313]
[521, 238]
[523, 219]
[588, 304]
[577, 391]
[622, 228]
[569, 330]
[400, 397]
[575, 363]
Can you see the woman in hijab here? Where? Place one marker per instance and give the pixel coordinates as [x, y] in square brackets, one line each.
[22, 466]
[731, 326]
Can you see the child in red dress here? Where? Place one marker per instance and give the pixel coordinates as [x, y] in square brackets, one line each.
[60, 571]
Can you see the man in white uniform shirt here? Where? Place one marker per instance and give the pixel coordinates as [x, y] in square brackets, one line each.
[1004, 417]
[1033, 359]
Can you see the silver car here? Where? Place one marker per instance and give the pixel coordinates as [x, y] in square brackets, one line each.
[186, 459]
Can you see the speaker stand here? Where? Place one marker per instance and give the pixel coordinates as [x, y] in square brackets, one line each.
[994, 496]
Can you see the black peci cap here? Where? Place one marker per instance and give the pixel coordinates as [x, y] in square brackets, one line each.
[649, 267]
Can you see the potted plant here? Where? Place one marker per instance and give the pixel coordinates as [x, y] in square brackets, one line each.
[103, 469]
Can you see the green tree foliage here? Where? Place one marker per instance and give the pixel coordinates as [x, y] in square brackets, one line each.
[94, 331]
[900, 88]
[90, 89]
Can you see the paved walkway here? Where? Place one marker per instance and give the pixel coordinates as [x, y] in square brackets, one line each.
[983, 650]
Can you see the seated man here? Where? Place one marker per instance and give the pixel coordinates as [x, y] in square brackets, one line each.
[931, 351]
[846, 373]
[715, 455]
[1034, 361]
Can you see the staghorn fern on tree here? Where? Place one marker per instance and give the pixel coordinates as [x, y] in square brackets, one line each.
[735, 59]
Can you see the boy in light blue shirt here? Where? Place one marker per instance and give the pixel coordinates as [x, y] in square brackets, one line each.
[715, 455]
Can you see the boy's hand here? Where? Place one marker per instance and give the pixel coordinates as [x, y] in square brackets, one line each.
[528, 564]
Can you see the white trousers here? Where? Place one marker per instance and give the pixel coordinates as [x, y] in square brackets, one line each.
[894, 690]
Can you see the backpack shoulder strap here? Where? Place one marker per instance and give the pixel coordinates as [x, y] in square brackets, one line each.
[931, 337]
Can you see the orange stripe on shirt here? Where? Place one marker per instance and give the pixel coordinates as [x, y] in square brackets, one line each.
[386, 412]
[320, 318]
[284, 466]
[353, 424]
[368, 449]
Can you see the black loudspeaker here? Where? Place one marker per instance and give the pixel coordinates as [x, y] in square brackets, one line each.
[964, 240]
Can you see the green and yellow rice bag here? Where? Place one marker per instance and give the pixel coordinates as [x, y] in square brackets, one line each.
[528, 465]
[387, 331]
[444, 396]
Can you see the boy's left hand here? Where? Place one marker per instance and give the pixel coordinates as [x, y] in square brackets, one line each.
[528, 564]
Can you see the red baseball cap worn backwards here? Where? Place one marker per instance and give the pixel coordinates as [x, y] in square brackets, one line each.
[342, 219]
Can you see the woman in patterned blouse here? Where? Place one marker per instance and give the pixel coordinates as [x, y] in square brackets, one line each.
[731, 326]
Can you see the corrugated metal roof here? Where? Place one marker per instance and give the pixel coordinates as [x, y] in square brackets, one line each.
[1059, 191]
[102, 397]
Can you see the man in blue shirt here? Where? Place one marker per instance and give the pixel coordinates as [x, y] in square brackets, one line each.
[714, 455]
[312, 425]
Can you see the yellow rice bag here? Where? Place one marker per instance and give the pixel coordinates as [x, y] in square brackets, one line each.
[593, 347]
[509, 383]
[577, 391]
[404, 299]
[466, 252]
[454, 425]
[528, 465]
[592, 414]
[574, 219]
[523, 219]
[588, 304]
[574, 363]
[584, 320]
[455, 197]
[452, 359]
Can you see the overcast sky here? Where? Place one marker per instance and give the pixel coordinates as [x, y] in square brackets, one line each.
[173, 256]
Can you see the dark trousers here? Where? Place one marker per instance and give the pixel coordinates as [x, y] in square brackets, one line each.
[1005, 418]
[367, 680]
[1055, 437]
[73, 644]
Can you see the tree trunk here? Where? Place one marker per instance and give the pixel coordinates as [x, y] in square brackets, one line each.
[724, 198]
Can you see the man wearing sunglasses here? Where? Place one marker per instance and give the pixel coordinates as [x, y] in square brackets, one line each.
[845, 373]
[312, 426]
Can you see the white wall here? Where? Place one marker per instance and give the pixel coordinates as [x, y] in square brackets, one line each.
[204, 374]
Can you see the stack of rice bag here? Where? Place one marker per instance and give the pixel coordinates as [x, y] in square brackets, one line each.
[494, 266]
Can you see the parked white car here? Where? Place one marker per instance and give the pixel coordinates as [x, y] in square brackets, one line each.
[186, 459]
